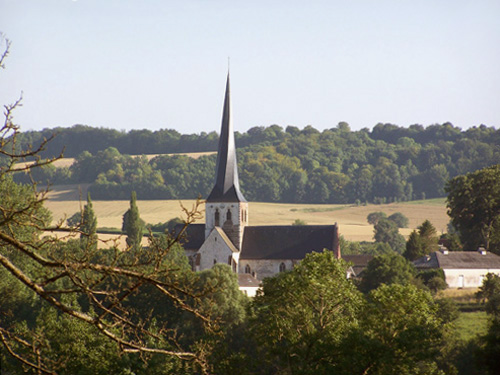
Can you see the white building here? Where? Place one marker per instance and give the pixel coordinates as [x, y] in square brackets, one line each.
[462, 269]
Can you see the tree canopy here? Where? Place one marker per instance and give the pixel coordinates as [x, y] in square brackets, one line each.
[474, 207]
[302, 315]
[388, 268]
[338, 165]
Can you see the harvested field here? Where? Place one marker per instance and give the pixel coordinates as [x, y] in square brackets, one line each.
[64, 201]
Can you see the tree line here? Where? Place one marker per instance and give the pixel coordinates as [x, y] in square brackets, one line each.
[387, 164]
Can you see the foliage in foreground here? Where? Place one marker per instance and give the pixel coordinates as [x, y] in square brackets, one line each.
[474, 207]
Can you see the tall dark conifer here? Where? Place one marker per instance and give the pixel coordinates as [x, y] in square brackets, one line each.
[88, 226]
[132, 224]
[414, 247]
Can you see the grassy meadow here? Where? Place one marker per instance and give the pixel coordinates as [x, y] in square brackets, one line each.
[472, 320]
[66, 200]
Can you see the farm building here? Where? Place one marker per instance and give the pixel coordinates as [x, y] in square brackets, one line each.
[462, 269]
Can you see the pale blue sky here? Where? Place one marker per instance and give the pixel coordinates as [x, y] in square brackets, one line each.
[130, 64]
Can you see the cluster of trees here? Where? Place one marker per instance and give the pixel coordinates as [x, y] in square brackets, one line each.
[144, 311]
[388, 163]
[474, 207]
[473, 203]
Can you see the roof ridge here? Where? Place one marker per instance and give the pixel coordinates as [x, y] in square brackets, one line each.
[226, 239]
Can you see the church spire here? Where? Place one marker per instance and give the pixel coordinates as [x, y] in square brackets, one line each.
[227, 186]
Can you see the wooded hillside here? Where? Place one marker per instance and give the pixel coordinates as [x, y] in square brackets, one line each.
[386, 164]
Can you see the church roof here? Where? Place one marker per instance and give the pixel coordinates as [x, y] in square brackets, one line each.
[193, 237]
[286, 242]
[359, 262]
[226, 239]
[227, 186]
[459, 260]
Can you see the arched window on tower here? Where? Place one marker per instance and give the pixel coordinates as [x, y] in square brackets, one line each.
[247, 269]
[217, 217]
[228, 215]
[282, 267]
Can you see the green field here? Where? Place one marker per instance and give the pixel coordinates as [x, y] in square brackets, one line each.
[469, 325]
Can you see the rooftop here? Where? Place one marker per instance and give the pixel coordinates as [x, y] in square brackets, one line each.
[459, 260]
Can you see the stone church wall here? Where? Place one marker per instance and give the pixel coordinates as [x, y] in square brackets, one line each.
[265, 267]
[214, 250]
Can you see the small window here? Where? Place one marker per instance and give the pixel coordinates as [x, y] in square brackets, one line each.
[217, 217]
[229, 259]
[228, 215]
[247, 269]
[282, 267]
[215, 261]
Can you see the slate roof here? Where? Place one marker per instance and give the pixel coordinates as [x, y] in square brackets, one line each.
[459, 260]
[227, 185]
[359, 262]
[286, 242]
[193, 237]
[247, 280]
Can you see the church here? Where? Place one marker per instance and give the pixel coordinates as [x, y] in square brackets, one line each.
[253, 252]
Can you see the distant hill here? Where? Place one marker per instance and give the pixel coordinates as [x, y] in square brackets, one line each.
[336, 166]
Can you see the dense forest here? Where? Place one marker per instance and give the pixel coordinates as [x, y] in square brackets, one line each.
[386, 164]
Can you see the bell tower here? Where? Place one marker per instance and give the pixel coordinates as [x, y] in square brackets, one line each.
[226, 207]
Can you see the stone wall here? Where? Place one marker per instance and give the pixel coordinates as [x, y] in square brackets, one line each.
[262, 268]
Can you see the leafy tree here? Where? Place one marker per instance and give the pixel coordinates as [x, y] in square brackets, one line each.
[133, 226]
[387, 232]
[226, 302]
[399, 219]
[299, 222]
[451, 241]
[434, 279]
[167, 226]
[57, 275]
[491, 348]
[401, 332]
[388, 268]
[302, 316]
[474, 206]
[490, 291]
[374, 217]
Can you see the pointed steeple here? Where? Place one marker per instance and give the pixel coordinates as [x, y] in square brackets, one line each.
[227, 185]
